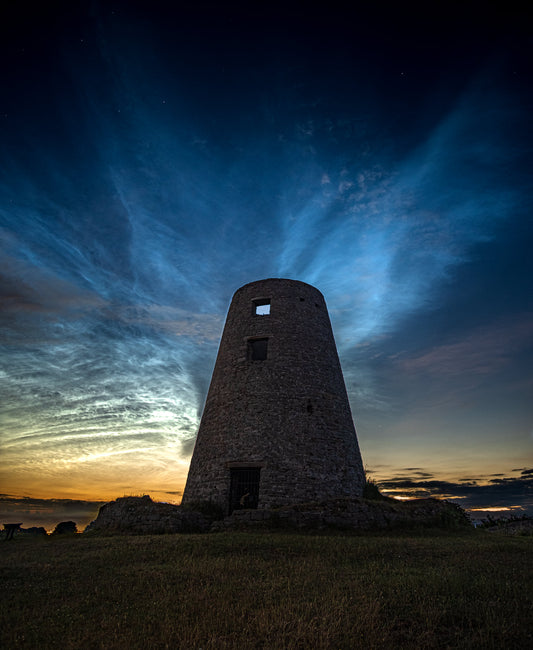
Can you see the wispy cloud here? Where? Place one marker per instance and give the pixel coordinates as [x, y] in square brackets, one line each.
[481, 493]
[381, 239]
[485, 350]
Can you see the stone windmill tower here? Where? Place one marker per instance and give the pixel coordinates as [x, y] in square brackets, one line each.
[276, 427]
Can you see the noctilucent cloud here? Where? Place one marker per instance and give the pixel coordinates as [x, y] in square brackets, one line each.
[154, 159]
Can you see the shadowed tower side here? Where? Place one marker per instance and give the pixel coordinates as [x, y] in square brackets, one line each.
[277, 427]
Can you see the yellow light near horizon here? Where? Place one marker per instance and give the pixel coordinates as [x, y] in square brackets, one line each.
[496, 509]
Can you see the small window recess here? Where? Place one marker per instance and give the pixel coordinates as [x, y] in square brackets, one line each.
[257, 349]
[262, 307]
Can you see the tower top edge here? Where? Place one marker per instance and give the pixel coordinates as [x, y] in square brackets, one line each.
[276, 281]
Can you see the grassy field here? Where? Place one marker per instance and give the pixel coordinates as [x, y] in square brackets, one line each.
[268, 590]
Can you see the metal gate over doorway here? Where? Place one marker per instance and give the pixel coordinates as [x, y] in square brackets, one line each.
[244, 488]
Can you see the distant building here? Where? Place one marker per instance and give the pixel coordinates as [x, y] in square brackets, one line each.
[277, 427]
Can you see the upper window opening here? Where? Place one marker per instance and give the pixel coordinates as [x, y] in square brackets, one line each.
[262, 307]
[257, 349]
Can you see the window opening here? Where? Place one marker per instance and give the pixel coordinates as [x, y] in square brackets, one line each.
[244, 488]
[257, 349]
[262, 307]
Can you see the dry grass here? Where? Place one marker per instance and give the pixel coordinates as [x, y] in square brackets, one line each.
[268, 590]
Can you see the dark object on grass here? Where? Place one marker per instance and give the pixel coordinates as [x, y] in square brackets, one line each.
[65, 527]
[10, 530]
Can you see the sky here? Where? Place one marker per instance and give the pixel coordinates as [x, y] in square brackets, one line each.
[154, 157]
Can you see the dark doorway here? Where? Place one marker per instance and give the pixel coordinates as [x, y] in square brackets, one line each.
[244, 488]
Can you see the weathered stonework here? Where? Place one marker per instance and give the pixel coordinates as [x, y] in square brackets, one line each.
[277, 412]
[141, 515]
[350, 514]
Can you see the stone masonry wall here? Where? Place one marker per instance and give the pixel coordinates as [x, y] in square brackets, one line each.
[289, 414]
[350, 514]
[141, 515]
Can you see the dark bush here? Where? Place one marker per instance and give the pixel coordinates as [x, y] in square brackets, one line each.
[65, 528]
[371, 492]
[35, 530]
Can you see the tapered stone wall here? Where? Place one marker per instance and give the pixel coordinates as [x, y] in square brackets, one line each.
[277, 427]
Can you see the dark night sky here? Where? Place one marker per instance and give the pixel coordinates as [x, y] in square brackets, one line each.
[156, 156]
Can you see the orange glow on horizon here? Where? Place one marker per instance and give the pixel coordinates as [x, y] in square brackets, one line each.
[37, 490]
[496, 509]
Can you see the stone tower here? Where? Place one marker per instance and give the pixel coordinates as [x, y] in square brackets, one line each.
[277, 427]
